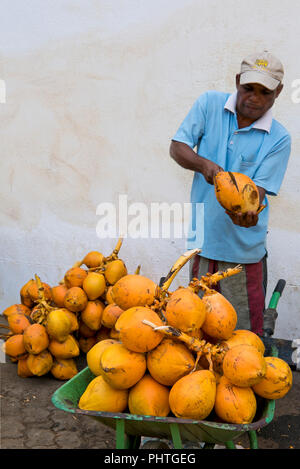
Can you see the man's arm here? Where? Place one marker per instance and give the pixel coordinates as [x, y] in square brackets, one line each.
[188, 159]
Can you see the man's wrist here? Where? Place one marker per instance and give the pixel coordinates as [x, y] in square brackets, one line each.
[200, 164]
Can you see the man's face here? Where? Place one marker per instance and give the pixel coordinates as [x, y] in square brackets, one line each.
[253, 99]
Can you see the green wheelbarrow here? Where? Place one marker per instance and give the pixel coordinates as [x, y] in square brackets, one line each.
[130, 428]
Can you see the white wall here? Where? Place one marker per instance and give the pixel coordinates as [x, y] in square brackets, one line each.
[94, 92]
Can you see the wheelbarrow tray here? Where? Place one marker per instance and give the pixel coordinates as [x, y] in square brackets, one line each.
[180, 430]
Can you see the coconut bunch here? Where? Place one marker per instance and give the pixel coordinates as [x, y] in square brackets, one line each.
[122, 378]
[179, 354]
[40, 338]
[52, 325]
[86, 291]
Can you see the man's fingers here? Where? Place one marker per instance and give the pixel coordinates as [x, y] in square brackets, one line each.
[251, 218]
[245, 220]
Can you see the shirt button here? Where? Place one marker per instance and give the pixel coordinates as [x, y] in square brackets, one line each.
[235, 133]
[231, 143]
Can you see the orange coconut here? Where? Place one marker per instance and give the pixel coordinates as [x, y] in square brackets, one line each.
[58, 294]
[93, 259]
[108, 295]
[74, 277]
[41, 363]
[24, 295]
[86, 343]
[221, 317]
[197, 333]
[101, 397]
[94, 354]
[73, 319]
[193, 396]
[114, 271]
[85, 331]
[35, 338]
[169, 361]
[277, 381]
[136, 335]
[134, 290]
[58, 324]
[64, 350]
[18, 322]
[243, 336]
[64, 369]
[92, 314]
[103, 333]
[33, 291]
[75, 299]
[23, 370]
[94, 285]
[236, 192]
[114, 334]
[234, 404]
[244, 365]
[148, 397]
[17, 308]
[14, 347]
[121, 368]
[111, 314]
[186, 311]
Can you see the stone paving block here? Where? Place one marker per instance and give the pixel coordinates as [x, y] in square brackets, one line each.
[62, 421]
[12, 443]
[70, 440]
[29, 415]
[39, 437]
[12, 428]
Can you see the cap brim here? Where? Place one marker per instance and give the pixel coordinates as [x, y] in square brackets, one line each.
[253, 76]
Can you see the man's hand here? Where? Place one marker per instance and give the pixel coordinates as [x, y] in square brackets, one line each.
[246, 220]
[209, 170]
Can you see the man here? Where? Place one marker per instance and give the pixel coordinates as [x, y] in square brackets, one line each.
[235, 133]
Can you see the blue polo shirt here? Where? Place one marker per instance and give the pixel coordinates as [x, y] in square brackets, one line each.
[261, 151]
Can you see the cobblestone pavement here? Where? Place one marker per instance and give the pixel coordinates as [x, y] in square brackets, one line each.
[29, 420]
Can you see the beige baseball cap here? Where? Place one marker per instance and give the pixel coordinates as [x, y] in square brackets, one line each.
[263, 68]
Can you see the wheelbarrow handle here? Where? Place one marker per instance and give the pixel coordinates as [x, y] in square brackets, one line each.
[277, 292]
[270, 314]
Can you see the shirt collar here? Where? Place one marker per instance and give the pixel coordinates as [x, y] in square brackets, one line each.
[263, 123]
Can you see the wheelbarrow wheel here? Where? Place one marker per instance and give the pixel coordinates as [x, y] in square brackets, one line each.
[154, 444]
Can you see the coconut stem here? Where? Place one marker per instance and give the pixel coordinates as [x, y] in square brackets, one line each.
[40, 316]
[42, 299]
[207, 281]
[115, 252]
[98, 268]
[177, 266]
[201, 347]
[260, 209]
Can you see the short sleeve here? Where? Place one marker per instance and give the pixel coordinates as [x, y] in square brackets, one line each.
[271, 171]
[193, 126]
